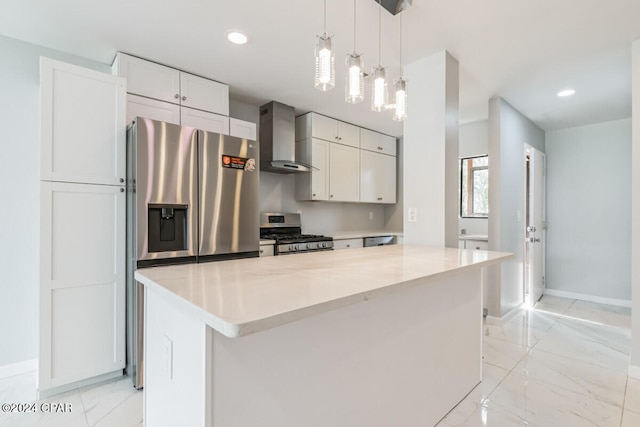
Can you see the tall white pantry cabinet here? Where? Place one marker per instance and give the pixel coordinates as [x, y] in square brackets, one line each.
[82, 226]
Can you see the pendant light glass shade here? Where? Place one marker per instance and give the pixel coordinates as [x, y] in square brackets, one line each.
[400, 101]
[354, 88]
[325, 67]
[379, 95]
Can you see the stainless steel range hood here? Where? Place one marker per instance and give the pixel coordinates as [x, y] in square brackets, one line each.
[278, 139]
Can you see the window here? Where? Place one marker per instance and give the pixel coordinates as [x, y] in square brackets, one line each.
[474, 187]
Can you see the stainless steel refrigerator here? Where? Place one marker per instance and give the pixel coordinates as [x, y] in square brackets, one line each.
[192, 196]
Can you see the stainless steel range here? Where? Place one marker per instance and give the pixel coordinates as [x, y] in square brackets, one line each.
[286, 230]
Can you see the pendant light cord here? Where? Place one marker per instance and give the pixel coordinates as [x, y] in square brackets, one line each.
[379, 31]
[354, 25]
[400, 43]
[325, 16]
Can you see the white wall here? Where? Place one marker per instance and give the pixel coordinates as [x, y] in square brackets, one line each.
[634, 368]
[589, 210]
[20, 177]
[509, 131]
[430, 173]
[474, 141]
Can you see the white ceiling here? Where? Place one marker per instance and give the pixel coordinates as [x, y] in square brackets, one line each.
[523, 51]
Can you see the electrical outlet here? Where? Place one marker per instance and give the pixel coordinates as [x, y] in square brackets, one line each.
[412, 215]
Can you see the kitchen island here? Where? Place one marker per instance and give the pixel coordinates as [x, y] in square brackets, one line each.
[377, 336]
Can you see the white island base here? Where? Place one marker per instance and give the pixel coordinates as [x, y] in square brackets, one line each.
[402, 356]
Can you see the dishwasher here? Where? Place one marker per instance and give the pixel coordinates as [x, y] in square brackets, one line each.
[379, 241]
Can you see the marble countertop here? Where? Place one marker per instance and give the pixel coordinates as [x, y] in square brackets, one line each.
[240, 297]
[473, 237]
[361, 234]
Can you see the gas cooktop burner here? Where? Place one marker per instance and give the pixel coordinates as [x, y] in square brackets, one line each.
[285, 229]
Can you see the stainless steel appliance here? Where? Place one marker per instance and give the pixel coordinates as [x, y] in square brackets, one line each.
[192, 196]
[286, 230]
[379, 241]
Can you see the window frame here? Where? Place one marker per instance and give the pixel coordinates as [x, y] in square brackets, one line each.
[470, 187]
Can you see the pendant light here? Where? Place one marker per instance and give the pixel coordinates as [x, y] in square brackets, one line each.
[379, 86]
[354, 87]
[325, 69]
[400, 90]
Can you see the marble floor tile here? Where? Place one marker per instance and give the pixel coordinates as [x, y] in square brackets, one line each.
[632, 396]
[584, 378]
[128, 414]
[589, 342]
[492, 416]
[606, 314]
[630, 419]
[526, 328]
[45, 414]
[103, 399]
[19, 388]
[501, 353]
[551, 304]
[542, 404]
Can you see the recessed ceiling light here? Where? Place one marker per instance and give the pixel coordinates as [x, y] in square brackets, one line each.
[236, 37]
[566, 92]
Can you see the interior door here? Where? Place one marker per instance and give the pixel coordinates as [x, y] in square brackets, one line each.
[535, 224]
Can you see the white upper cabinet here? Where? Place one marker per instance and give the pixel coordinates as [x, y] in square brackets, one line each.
[139, 106]
[344, 173]
[204, 120]
[329, 129]
[149, 79]
[378, 142]
[377, 177]
[242, 129]
[83, 130]
[146, 78]
[203, 94]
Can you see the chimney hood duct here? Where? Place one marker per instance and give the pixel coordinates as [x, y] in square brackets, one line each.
[278, 139]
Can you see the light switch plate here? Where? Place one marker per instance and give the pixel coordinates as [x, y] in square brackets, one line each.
[167, 356]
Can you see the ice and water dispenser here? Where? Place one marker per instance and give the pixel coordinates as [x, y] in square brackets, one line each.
[167, 227]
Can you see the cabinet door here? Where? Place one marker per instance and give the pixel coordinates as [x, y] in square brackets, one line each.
[149, 79]
[204, 94]
[387, 170]
[377, 177]
[266, 250]
[82, 282]
[344, 173]
[205, 121]
[242, 129]
[139, 106]
[83, 129]
[324, 127]
[348, 134]
[380, 143]
[347, 244]
[320, 172]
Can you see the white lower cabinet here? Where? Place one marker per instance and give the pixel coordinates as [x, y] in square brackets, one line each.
[266, 250]
[82, 282]
[347, 243]
[474, 244]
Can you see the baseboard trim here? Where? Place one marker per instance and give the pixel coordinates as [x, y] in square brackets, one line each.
[104, 378]
[18, 368]
[499, 321]
[634, 372]
[591, 298]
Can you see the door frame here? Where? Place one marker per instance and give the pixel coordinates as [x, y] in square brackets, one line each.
[528, 295]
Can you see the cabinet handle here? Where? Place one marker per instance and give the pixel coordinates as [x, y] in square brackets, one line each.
[121, 179]
[379, 148]
[339, 138]
[348, 246]
[314, 194]
[184, 98]
[379, 198]
[336, 137]
[261, 251]
[331, 196]
[177, 96]
[122, 190]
